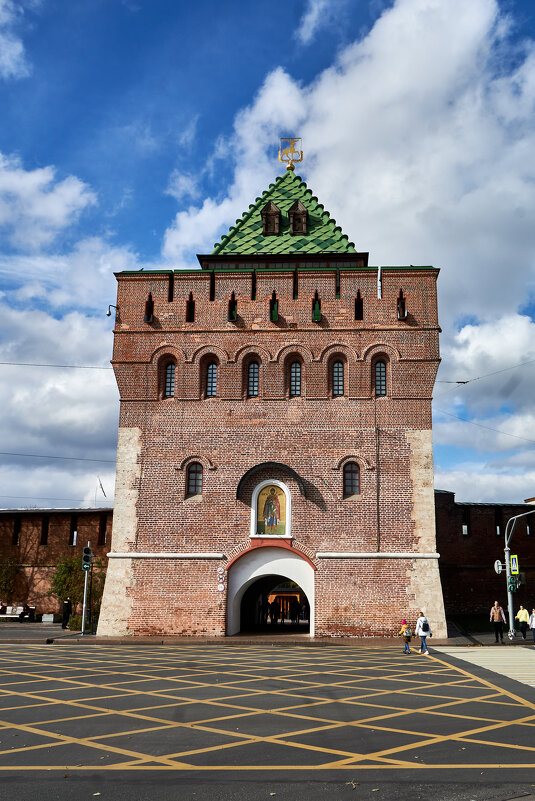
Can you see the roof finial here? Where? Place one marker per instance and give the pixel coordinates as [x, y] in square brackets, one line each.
[288, 153]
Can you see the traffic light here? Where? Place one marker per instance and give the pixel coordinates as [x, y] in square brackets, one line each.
[512, 583]
[86, 558]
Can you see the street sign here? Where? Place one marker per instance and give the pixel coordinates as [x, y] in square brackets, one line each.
[514, 565]
[498, 567]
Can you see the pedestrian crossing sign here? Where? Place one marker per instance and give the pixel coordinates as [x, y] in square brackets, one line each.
[514, 565]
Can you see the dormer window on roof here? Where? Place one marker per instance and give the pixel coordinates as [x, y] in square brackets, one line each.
[270, 219]
[298, 218]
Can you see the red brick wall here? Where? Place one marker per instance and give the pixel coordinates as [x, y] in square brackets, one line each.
[312, 434]
[466, 563]
[38, 561]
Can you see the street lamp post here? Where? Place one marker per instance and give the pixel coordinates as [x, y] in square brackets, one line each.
[508, 534]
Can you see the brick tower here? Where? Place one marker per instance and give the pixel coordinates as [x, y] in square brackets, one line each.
[275, 435]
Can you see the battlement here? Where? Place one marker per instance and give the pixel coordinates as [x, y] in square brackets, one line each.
[245, 295]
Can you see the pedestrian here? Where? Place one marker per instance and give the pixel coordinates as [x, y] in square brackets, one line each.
[264, 610]
[67, 612]
[523, 619]
[423, 631]
[498, 618]
[532, 623]
[274, 611]
[406, 633]
[294, 611]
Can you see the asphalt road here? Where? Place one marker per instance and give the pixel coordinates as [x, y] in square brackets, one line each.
[258, 722]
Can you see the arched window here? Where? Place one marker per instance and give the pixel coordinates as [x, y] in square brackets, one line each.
[252, 380]
[380, 378]
[295, 379]
[169, 386]
[194, 479]
[211, 380]
[351, 479]
[338, 379]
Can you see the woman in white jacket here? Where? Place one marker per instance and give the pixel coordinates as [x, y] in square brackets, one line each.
[423, 630]
[532, 623]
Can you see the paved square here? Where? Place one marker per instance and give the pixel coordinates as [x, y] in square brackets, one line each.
[190, 709]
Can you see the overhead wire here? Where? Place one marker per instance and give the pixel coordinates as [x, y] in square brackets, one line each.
[480, 425]
[49, 456]
[70, 366]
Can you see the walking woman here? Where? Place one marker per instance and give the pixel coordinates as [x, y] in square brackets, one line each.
[532, 623]
[523, 620]
[423, 630]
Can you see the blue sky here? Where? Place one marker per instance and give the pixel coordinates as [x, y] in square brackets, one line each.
[133, 133]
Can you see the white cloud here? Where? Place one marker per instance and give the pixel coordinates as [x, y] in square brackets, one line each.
[182, 185]
[500, 354]
[83, 277]
[53, 411]
[13, 62]
[187, 136]
[34, 207]
[311, 21]
[477, 481]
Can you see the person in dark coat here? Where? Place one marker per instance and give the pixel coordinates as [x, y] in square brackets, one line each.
[67, 612]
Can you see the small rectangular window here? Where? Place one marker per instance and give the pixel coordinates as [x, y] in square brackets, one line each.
[190, 309]
[194, 479]
[338, 379]
[359, 307]
[466, 522]
[16, 530]
[212, 285]
[102, 529]
[295, 380]
[252, 380]
[44, 530]
[211, 380]
[73, 533]
[171, 288]
[380, 378]
[351, 479]
[528, 530]
[498, 521]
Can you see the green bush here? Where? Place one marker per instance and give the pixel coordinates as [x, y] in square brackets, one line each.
[68, 580]
[75, 623]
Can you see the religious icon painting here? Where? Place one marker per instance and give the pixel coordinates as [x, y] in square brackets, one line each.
[271, 512]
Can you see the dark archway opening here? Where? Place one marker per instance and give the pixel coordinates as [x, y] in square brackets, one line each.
[275, 605]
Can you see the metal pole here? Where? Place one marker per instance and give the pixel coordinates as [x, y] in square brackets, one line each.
[510, 608]
[90, 571]
[85, 597]
[507, 551]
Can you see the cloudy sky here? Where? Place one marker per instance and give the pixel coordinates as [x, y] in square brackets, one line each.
[133, 132]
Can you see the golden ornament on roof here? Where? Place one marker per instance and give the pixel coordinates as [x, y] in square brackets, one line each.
[290, 151]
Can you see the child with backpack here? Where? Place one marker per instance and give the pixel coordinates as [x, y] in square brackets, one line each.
[406, 633]
[423, 630]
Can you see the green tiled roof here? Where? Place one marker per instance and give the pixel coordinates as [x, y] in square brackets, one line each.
[323, 234]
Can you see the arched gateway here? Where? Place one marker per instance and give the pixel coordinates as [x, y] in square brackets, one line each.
[261, 562]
